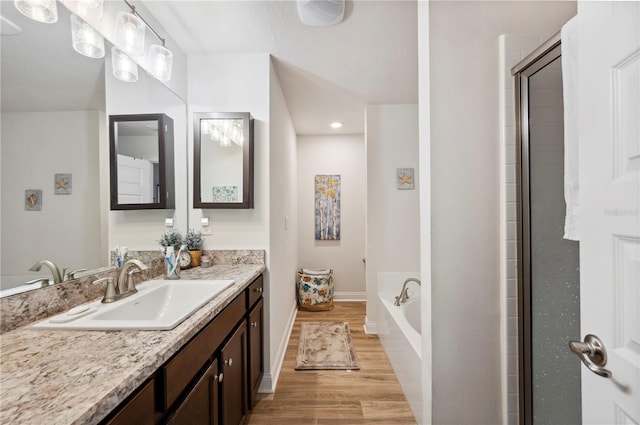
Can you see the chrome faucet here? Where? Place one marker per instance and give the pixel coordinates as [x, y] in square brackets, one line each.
[125, 285]
[72, 274]
[55, 271]
[404, 296]
[43, 281]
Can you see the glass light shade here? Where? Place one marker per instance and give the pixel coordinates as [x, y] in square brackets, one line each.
[124, 69]
[45, 11]
[86, 40]
[130, 32]
[160, 62]
[89, 10]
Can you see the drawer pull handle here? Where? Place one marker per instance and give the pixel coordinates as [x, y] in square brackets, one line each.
[254, 324]
[219, 377]
[228, 362]
[258, 289]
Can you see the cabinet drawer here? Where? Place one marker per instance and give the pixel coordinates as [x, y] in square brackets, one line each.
[182, 368]
[139, 410]
[254, 291]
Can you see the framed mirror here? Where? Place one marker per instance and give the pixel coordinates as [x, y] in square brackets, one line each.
[223, 160]
[141, 162]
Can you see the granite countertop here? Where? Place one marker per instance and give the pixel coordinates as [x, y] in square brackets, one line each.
[78, 377]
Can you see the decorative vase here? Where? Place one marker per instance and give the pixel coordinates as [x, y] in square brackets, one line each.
[195, 257]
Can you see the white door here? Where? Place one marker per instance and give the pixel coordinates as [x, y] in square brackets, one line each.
[609, 140]
[135, 180]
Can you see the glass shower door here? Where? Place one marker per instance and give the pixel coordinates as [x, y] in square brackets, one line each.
[550, 287]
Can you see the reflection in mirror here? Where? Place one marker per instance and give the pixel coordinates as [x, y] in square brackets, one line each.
[223, 163]
[53, 103]
[142, 164]
[54, 144]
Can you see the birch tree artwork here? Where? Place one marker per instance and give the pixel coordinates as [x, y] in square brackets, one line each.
[327, 198]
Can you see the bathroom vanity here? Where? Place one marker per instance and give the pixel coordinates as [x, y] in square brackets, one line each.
[206, 370]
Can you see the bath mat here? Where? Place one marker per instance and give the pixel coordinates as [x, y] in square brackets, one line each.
[326, 345]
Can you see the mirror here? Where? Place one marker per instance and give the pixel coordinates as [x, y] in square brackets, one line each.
[223, 160]
[141, 162]
[53, 121]
[54, 106]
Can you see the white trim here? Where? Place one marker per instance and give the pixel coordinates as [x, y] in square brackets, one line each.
[370, 327]
[424, 186]
[502, 65]
[349, 296]
[270, 380]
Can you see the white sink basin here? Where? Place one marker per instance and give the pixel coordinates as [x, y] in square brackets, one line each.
[158, 305]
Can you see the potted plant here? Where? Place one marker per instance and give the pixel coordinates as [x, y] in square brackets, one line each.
[170, 238]
[193, 240]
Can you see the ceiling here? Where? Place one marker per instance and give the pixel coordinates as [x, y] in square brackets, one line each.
[326, 73]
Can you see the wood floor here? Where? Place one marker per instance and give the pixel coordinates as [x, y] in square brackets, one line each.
[371, 395]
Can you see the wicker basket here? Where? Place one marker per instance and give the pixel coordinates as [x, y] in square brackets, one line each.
[315, 290]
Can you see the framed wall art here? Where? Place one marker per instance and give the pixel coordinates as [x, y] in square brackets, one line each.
[327, 207]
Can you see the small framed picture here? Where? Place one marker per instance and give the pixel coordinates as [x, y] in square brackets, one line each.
[404, 179]
[33, 200]
[62, 184]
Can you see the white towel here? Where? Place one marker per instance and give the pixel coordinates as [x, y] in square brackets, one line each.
[568, 36]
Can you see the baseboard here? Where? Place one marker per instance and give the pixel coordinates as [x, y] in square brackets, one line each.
[350, 296]
[369, 326]
[270, 380]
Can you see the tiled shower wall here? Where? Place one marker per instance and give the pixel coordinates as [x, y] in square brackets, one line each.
[513, 48]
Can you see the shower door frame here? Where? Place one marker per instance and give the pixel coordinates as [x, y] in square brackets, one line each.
[538, 59]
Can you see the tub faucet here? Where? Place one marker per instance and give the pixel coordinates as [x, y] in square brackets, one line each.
[55, 271]
[404, 296]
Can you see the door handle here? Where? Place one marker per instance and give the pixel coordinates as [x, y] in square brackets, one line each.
[592, 353]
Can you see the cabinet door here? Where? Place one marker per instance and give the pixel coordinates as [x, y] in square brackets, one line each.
[255, 355]
[233, 357]
[200, 407]
[138, 410]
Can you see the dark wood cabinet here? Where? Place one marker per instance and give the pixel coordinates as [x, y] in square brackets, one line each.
[201, 406]
[255, 350]
[233, 359]
[213, 379]
[139, 409]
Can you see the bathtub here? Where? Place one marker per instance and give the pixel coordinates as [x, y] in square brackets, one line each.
[399, 333]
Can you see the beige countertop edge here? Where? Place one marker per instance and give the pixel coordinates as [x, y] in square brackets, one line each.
[79, 377]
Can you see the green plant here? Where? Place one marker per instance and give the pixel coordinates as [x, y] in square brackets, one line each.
[171, 238]
[193, 240]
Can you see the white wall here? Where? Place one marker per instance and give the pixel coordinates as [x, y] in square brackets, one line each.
[248, 83]
[59, 142]
[424, 155]
[393, 216]
[234, 83]
[343, 155]
[465, 185]
[283, 241]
